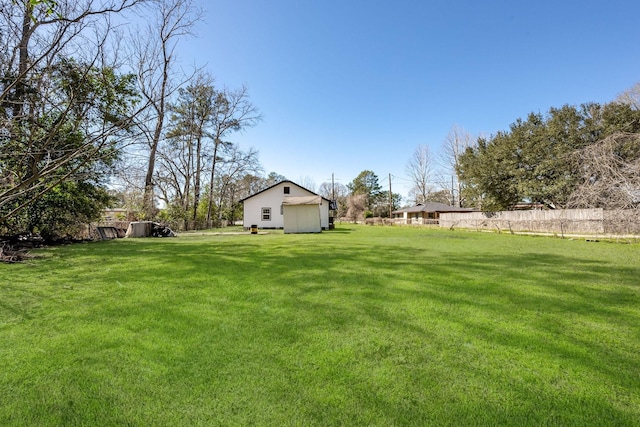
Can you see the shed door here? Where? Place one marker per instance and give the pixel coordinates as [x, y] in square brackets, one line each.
[301, 219]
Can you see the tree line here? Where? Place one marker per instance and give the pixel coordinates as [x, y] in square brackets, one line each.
[571, 157]
[585, 156]
[95, 112]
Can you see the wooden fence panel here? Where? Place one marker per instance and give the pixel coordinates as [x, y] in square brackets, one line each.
[560, 221]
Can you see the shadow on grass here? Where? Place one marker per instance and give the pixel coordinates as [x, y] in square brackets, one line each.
[554, 330]
[527, 326]
[340, 230]
[367, 332]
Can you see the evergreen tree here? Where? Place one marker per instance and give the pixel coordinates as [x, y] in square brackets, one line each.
[366, 184]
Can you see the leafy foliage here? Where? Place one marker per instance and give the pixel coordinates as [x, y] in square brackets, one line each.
[65, 144]
[533, 160]
[64, 109]
[61, 211]
[366, 183]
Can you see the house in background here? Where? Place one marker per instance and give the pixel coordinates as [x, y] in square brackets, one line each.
[424, 213]
[288, 206]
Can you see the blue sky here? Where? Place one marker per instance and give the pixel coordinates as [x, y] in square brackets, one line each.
[346, 86]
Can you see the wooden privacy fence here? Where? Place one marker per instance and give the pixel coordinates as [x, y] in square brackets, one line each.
[414, 221]
[559, 221]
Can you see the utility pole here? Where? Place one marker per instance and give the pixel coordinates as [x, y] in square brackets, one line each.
[333, 188]
[390, 197]
[333, 206]
[453, 197]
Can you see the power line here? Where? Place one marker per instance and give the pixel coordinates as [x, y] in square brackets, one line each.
[402, 178]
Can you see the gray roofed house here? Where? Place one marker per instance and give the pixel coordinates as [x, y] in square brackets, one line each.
[424, 213]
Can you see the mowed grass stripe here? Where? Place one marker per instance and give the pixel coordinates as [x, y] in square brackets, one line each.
[357, 326]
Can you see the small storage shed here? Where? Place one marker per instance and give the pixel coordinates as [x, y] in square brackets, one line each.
[301, 214]
[266, 209]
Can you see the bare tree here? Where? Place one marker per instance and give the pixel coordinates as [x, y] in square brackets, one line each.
[155, 54]
[232, 112]
[237, 165]
[356, 206]
[127, 180]
[249, 184]
[610, 172]
[174, 174]
[338, 192]
[326, 190]
[454, 144]
[333, 190]
[308, 183]
[631, 96]
[419, 169]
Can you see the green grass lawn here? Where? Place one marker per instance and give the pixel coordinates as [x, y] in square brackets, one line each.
[358, 326]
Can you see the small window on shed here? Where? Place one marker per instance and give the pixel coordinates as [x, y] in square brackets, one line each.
[266, 214]
[287, 190]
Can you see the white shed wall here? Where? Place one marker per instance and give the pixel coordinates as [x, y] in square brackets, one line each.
[272, 198]
[253, 209]
[324, 215]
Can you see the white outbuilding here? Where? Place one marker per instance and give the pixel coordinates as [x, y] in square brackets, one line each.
[286, 205]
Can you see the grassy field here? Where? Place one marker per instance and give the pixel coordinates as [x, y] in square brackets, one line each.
[377, 326]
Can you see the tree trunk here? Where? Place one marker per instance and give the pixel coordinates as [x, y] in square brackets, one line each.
[196, 184]
[216, 144]
[149, 205]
